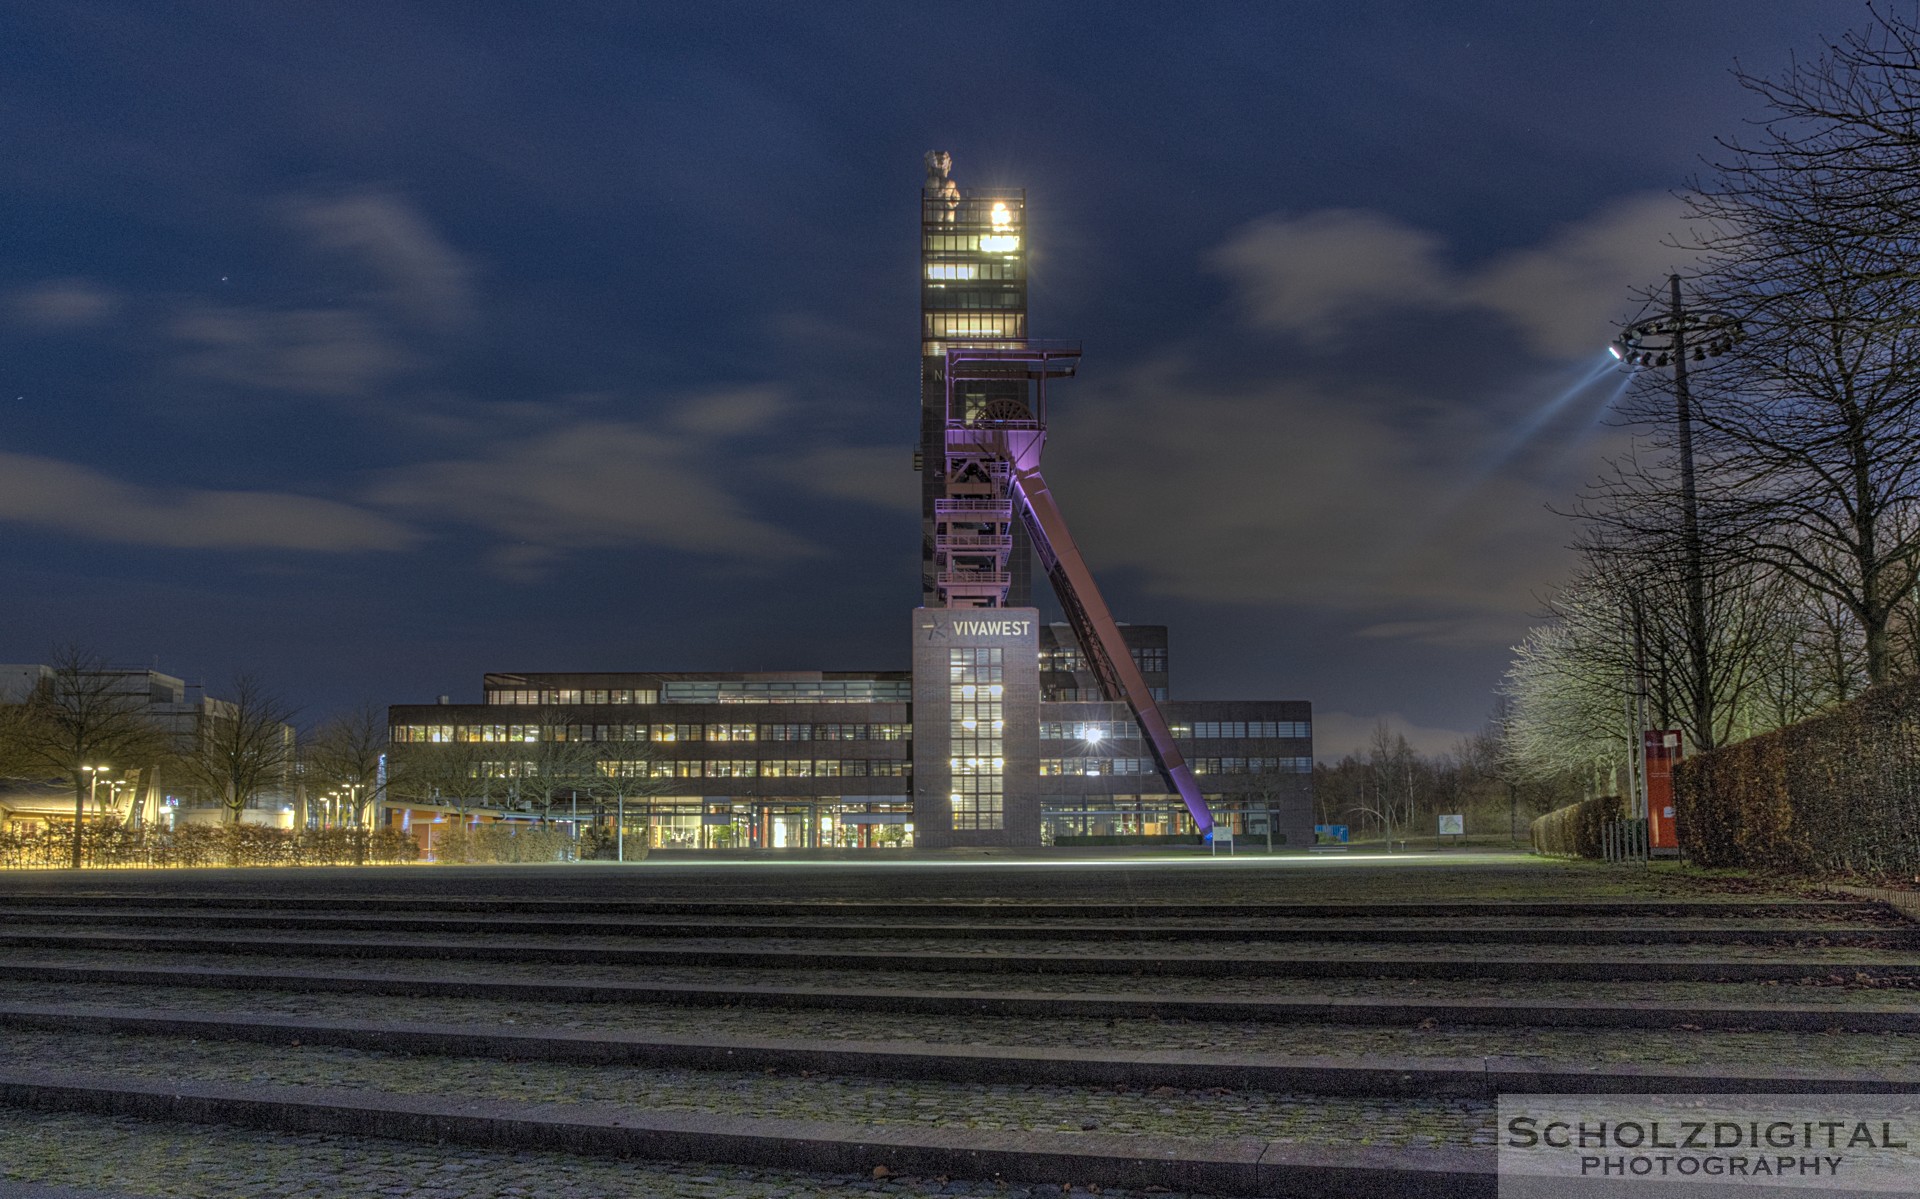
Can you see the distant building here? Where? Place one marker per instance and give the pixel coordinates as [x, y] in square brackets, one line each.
[143, 795]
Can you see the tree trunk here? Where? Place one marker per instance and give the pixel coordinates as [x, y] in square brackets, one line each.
[79, 816]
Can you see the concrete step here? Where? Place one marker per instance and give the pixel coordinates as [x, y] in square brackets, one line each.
[1506, 966]
[1410, 1077]
[1387, 1012]
[1661, 933]
[1245, 1166]
[893, 910]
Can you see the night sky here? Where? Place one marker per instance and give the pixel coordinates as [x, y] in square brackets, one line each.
[369, 347]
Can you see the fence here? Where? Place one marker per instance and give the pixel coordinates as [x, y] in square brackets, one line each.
[1625, 840]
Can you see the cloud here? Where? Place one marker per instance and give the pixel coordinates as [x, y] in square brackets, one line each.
[57, 305]
[309, 351]
[50, 494]
[1311, 275]
[1313, 495]
[1316, 276]
[421, 277]
[877, 475]
[1563, 293]
[590, 485]
[728, 413]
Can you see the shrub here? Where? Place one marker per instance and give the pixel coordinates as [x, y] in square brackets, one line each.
[1575, 831]
[109, 843]
[490, 844]
[1837, 795]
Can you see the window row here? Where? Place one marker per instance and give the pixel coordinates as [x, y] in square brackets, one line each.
[739, 768]
[970, 325]
[570, 696]
[971, 243]
[1240, 729]
[431, 733]
[1089, 730]
[787, 691]
[1090, 694]
[1003, 269]
[942, 298]
[1097, 766]
[1252, 765]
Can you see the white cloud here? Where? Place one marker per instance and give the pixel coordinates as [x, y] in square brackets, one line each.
[1563, 293]
[589, 485]
[61, 304]
[309, 351]
[1317, 275]
[422, 278]
[729, 413]
[47, 493]
[1310, 275]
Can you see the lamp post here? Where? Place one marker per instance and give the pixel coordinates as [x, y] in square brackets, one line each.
[1668, 341]
[80, 807]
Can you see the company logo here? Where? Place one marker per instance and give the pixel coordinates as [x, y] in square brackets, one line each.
[992, 628]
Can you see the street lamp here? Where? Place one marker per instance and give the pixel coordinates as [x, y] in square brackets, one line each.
[80, 806]
[1669, 341]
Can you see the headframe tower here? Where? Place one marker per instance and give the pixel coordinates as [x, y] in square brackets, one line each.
[973, 294]
[983, 424]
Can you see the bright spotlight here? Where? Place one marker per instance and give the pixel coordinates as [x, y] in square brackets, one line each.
[1614, 349]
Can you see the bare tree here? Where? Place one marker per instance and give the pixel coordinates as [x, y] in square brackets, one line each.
[1811, 426]
[83, 717]
[244, 747]
[344, 754]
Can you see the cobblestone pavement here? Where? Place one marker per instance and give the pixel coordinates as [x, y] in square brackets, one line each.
[1674, 1046]
[191, 1161]
[1033, 1107]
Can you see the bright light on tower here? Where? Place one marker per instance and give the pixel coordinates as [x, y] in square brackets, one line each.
[1001, 217]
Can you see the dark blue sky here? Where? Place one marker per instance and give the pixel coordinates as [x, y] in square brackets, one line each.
[373, 346]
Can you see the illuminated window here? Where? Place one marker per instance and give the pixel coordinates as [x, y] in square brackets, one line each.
[975, 690]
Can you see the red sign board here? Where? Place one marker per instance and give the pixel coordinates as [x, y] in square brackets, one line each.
[1662, 753]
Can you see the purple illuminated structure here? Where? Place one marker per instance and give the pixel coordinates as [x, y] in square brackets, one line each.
[993, 442]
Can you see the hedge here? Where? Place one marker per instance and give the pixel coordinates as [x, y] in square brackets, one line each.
[1837, 795]
[108, 843]
[1575, 831]
[459, 844]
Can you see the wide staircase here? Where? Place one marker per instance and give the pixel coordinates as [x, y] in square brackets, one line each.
[1242, 1028]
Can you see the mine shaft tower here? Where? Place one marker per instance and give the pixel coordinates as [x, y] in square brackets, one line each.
[987, 509]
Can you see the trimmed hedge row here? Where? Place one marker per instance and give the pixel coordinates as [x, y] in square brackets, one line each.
[458, 844]
[1837, 795]
[1575, 831]
[108, 843]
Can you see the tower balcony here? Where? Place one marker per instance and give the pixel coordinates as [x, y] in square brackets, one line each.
[974, 510]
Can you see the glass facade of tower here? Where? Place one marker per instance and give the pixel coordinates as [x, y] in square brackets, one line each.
[973, 292]
[975, 690]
